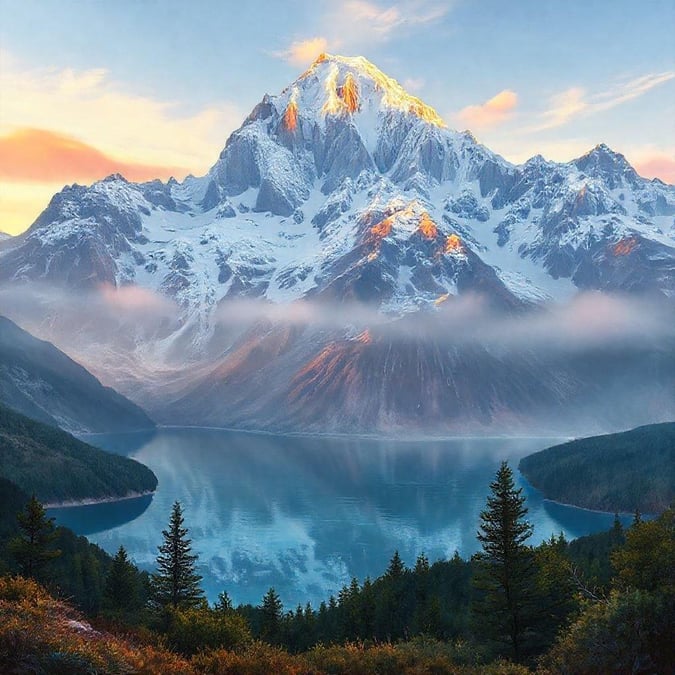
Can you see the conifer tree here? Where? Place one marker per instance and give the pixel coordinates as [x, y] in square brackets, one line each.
[506, 574]
[122, 589]
[224, 603]
[32, 547]
[390, 612]
[176, 583]
[272, 612]
[396, 566]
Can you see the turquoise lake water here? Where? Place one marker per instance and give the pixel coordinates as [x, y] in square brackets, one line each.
[306, 514]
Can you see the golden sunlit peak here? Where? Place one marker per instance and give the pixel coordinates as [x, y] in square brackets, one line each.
[345, 76]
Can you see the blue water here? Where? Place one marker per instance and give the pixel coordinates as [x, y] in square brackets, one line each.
[305, 514]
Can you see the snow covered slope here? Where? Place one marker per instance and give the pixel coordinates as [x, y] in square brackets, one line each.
[344, 188]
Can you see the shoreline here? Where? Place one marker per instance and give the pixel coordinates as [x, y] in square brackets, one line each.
[365, 436]
[344, 435]
[576, 506]
[91, 501]
[586, 508]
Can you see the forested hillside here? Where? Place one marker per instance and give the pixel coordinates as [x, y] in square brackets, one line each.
[57, 467]
[616, 472]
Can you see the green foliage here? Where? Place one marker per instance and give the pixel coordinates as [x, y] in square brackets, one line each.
[57, 467]
[617, 472]
[271, 613]
[505, 574]
[590, 556]
[124, 592]
[78, 574]
[631, 632]
[632, 629]
[555, 592]
[647, 559]
[33, 548]
[176, 583]
[192, 630]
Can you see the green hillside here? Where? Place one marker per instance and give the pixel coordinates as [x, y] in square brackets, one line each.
[617, 472]
[57, 467]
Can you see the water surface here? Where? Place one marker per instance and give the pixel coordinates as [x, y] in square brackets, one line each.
[306, 514]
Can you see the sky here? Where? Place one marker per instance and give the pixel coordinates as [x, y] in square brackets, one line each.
[153, 88]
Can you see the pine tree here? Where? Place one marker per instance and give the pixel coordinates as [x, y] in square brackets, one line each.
[506, 574]
[176, 583]
[122, 589]
[32, 547]
[224, 603]
[396, 567]
[390, 614]
[272, 612]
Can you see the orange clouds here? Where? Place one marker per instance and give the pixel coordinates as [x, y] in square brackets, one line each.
[495, 111]
[658, 166]
[38, 155]
[303, 52]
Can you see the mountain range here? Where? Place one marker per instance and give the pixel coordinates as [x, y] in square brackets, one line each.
[327, 272]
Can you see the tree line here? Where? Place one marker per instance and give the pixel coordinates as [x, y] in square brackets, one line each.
[557, 601]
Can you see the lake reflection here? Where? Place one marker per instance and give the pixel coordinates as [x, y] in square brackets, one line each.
[306, 514]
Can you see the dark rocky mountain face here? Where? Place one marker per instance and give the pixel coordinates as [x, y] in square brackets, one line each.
[41, 382]
[346, 192]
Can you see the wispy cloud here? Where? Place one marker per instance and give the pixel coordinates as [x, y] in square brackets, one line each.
[61, 125]
[382, 22]
[495, 111]
[575, 101]
[89, 105]
[354, 24]
[590, 319]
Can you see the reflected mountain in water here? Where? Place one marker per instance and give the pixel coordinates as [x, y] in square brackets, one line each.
[306, 514]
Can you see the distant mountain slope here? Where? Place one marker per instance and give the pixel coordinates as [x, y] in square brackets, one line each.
[57, 467]
[43, 383]
[617, 472]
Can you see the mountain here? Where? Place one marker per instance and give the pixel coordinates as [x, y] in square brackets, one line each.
[57, 467]
[345, 191]
[617, 472]
[41, 382]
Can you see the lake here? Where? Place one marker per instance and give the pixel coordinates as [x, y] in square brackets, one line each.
[306, 514]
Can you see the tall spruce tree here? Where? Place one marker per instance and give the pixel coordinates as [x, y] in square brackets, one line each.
[272, 611]
[176, 583]
[123, 593]
[33, 547]
[505, 575]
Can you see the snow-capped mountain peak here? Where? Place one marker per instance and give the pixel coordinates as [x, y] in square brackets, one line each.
[340, 85]
[343, 177]
[341, 189]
